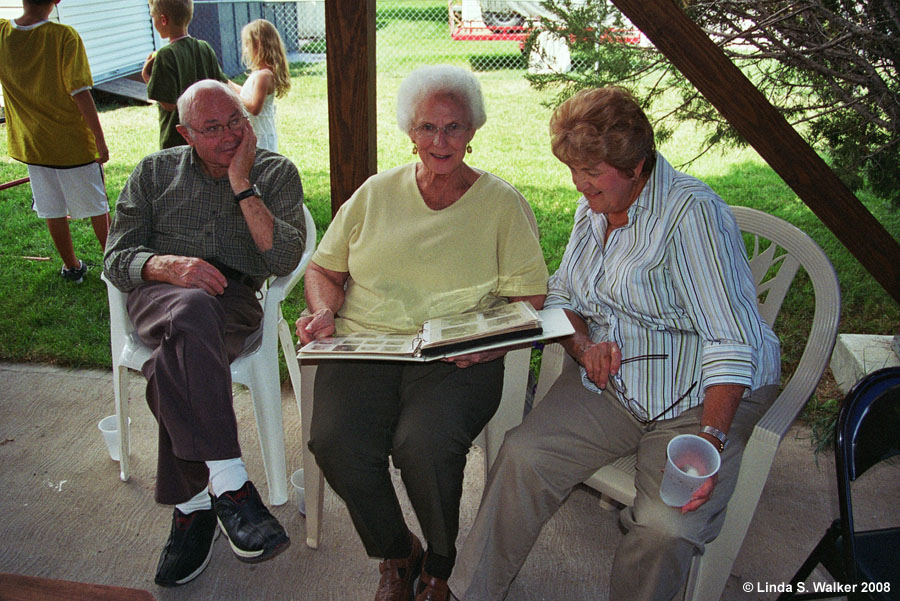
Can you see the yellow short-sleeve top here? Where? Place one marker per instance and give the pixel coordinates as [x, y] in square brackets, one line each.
[408, 263]
[42, 66]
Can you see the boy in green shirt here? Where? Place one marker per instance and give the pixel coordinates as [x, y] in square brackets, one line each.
[171, 70]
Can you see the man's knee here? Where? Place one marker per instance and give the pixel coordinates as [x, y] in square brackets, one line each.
[196, 311]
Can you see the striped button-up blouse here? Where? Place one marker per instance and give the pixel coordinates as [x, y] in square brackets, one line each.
[674, 282]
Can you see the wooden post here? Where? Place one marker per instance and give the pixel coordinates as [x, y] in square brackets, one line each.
[350, 56]
[745, 107]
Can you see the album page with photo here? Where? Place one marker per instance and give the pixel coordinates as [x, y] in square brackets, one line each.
[476, 331]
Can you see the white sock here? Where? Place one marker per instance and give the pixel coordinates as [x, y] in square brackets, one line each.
[226, 475]
[200, 501]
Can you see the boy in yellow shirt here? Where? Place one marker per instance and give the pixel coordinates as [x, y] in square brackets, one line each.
[53, 126]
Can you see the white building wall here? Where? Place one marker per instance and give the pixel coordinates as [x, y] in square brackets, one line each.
[118, 34]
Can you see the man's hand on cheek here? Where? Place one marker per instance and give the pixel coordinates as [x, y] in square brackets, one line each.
[242, 161]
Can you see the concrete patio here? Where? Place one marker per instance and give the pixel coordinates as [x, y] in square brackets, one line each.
[67, 516]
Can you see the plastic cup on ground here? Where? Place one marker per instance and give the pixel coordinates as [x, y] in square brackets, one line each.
[109, 426]
[299, 491]
[690, 461]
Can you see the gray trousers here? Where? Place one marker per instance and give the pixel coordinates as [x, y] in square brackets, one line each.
[195, 336]
[564, 440]
[425, 417]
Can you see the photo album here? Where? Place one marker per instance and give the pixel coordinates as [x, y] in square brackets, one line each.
[507, 325]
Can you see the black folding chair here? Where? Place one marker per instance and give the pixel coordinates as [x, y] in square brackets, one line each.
[865, 563]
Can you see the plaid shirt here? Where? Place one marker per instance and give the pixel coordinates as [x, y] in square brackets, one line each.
[169, 205]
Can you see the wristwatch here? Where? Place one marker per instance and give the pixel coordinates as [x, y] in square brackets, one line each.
[251, 191]
[717, 434]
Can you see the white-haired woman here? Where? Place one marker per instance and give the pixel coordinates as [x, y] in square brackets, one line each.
[433, 237]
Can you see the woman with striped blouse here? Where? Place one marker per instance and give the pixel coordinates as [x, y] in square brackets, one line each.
[668, 341]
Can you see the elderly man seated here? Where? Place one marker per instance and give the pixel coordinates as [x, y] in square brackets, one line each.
[197, 230]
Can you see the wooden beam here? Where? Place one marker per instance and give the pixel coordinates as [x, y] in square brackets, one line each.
[745, 107]
[350, 58]
[16, 587]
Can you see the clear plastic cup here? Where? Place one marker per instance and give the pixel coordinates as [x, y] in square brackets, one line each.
[691, 461]
[109, 427]
[299, 491]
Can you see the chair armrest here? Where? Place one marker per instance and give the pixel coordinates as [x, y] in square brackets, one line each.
[120, 324]
[512, 403]
[816, 354]
[281, 286]
[552, 359]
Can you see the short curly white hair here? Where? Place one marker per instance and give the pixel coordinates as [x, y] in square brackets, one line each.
[427, 81]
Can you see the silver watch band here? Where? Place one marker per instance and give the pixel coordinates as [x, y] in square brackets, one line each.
[717, 434]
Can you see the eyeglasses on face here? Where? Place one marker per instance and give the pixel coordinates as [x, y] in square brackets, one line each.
[214, 131]
[634, 407]
[427, 131]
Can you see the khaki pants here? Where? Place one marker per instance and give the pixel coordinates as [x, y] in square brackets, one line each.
[564, 440]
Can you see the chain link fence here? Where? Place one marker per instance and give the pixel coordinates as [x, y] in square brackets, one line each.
[300, 22]
[409, 33]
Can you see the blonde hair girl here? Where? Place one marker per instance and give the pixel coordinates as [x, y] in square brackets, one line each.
[262, 50]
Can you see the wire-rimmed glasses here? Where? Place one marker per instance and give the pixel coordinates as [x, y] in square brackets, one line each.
[634, 407]
[214, 131]
[428, 131]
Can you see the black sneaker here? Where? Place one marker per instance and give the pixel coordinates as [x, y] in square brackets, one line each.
[188, 549]
[74, 274]
[254, 533]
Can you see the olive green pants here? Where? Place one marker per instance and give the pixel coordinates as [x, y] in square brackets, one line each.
[424, 417]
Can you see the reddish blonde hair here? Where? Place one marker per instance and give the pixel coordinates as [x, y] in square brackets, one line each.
[603, 125]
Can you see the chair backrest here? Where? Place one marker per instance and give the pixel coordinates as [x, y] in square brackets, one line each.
[866, 433]
[868, 426]
[790, 248]
[279, 287]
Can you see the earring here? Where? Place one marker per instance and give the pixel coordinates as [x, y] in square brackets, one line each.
[468, 148]
[415, 149]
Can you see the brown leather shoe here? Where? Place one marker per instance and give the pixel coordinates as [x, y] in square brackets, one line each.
[432, 589]
[393, 585]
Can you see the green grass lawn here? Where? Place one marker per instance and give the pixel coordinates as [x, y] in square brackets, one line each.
[44, 319]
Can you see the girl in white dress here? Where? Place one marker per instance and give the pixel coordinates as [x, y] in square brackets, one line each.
[262, 50]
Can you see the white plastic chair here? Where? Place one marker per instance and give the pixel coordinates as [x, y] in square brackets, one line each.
[256, 368]
[773, 270]
[512, 406]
